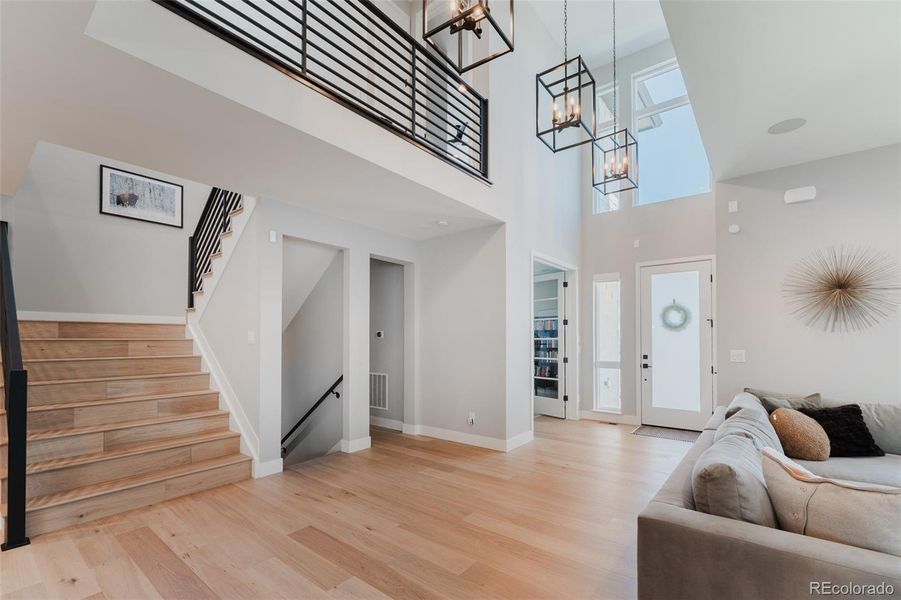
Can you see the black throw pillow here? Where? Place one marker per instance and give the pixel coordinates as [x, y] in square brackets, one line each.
[846, 429]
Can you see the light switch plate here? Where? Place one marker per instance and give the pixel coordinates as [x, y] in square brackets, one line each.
[737, 356]
[251, 336]
[733, 206]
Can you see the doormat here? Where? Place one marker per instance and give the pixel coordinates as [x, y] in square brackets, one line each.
[680, 435]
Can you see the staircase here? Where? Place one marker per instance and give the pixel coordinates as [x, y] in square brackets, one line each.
[120, 416]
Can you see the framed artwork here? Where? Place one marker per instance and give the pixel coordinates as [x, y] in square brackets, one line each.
[134, 196]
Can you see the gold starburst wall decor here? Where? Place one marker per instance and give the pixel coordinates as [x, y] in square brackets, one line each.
[843, 289]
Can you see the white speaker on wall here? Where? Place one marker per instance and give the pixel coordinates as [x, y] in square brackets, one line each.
[801, 194]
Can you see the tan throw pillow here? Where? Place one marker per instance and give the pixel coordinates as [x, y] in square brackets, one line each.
[802, 437]
[857, 514]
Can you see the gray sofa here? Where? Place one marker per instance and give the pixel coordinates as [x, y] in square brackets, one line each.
[684, 553]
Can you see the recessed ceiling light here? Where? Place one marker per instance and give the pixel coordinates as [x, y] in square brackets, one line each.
[442, 223]
[786, 126]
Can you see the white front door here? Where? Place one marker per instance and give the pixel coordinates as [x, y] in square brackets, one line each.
[549, 346]
[676, 350]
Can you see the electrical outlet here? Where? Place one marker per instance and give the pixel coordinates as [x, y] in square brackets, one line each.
[472, 419]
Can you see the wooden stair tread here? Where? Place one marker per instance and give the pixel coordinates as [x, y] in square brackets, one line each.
[55, 464]
[45, 434]
[122, 400]
[61, 463]
[54, 433]
[107, 358]
[134, 481]
[99, 339]
[116, 378]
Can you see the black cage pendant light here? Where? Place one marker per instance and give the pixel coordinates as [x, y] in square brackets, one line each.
[565, 101]
[614, 157]
[468, 33]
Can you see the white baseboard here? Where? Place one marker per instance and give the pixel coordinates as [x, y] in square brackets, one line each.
[270, 467]
[519, 440]
[609, 417]
[250, 441]
[33, 315]
[460, 437]
[410, 429]
[387, 423]
[356, 445]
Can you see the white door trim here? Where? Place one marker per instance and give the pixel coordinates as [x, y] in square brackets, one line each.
[572, 339]
[713, 354]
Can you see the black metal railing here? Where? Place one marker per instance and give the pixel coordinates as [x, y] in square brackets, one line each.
[15, 402]
[215, 220]
[329, 392]
[353, 53]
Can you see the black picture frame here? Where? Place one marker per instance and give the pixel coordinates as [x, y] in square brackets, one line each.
[127, 207]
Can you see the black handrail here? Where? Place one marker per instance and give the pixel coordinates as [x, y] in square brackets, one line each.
[351, 52]
[297, 425]
[214, 221]
[15, 381]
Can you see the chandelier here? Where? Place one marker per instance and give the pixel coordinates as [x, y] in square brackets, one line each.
[464, 32]
[565, 101]
[614, 156]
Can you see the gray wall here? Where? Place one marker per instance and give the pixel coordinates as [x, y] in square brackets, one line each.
[312, 359]
[68, 257]
[461, 336]
[386, 313]
[858, 204]
[667, 230]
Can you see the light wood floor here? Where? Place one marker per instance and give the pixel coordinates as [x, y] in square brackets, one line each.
[411, 518]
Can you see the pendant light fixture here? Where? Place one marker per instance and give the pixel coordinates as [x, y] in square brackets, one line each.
[565, 100]
[464, 32]
[614, 157]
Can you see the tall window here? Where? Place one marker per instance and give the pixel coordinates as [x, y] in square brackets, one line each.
[670, 152]
[604, 126]
[607, 343]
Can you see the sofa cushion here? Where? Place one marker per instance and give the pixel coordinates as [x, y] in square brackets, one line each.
[884, 423]
[884, 470]
[727, 481]
[753, 424]
[716, 419]
[858, 514]
[847, 431]
[800, 436]
[743, 400]
[773, 400]
[677, 489]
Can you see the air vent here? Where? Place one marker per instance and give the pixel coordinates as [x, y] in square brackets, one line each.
[378, 390]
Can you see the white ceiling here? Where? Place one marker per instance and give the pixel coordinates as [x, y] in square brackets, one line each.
[750, 64]
[639, 24]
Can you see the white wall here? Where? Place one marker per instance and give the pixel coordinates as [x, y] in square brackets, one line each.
[675, 229]
[68, 257]
[386, 354]
[858, 204]
[229, 322]
[461, 337]
[312, 359]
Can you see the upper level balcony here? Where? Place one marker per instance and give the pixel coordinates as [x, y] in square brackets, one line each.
[354, 54]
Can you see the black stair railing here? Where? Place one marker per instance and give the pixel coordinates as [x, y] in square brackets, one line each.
[15, 402]
[329, 392]
[353, 53]
[215, 220]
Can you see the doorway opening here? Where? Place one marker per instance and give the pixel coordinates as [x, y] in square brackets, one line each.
[676, 342]
[387, 344]
[553, 343]
[312, 349]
